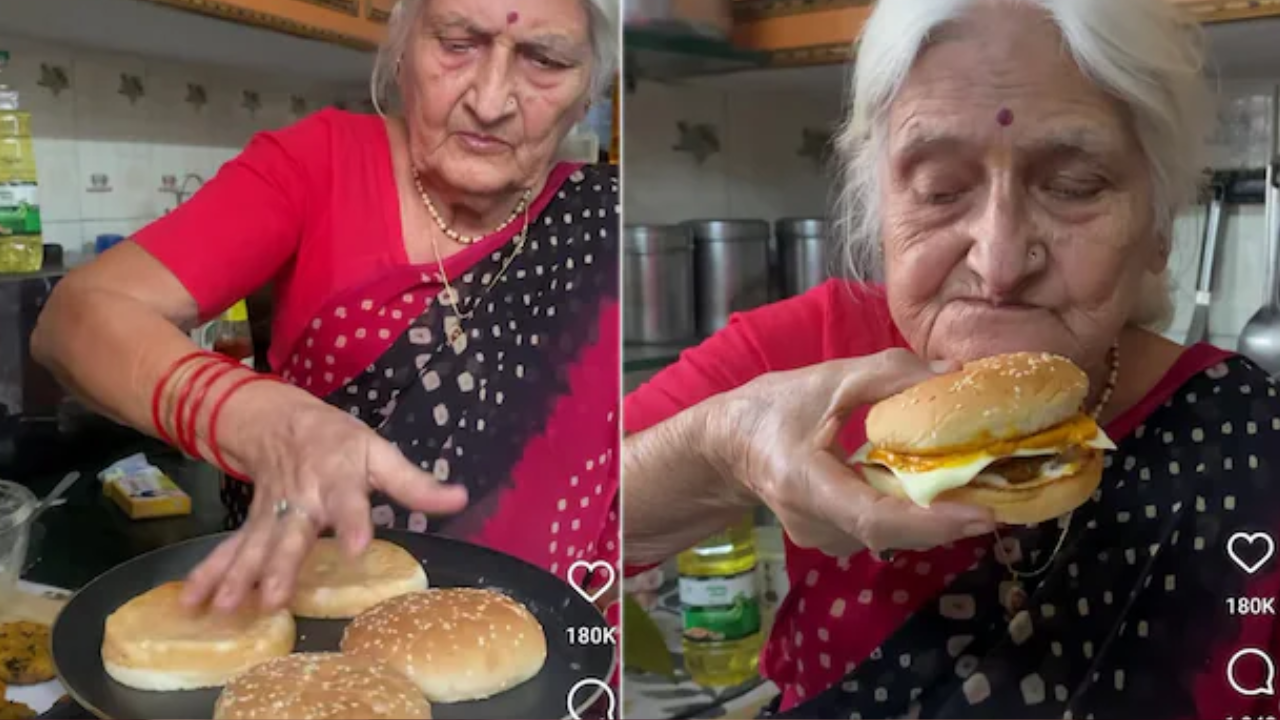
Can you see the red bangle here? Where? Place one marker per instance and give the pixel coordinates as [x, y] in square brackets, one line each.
[188, 422]
[158, 393]
[180, 407]
[213, 422]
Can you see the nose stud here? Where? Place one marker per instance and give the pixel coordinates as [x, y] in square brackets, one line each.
[1035, 253]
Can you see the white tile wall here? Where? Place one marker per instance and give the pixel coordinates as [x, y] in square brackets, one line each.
[758, 174]
[91, 128]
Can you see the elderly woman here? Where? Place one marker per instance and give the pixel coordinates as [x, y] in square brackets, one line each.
[1016, 167]
[446, 327]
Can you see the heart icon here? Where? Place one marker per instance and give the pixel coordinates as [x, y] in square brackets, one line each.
[588, 568]
[1250, 541]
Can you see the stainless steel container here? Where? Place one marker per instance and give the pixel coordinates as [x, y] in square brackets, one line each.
[658, 295]
[803, 251]
[732, 269]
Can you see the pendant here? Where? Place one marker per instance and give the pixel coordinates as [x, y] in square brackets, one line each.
[1013, 597]
[455, 334]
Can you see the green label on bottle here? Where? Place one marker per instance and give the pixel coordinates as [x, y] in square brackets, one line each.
[719, 609]
[19, 209]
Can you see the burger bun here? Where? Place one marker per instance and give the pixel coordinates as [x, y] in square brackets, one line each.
[321, 686]
[153, 642]
[333, 585]
[455, 644]
[1004, 397]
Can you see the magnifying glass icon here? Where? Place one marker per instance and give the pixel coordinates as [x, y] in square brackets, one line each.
[610, 712]
[1264, 686]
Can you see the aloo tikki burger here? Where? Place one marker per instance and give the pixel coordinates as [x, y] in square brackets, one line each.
[1006, 432]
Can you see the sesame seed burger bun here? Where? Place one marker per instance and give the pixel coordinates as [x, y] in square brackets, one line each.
[455, 644]
[332, 585]
[153, 642]
[1006, 432]
[321, 686]
[996, 398]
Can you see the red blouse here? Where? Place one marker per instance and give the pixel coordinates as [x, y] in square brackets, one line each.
[328, 180]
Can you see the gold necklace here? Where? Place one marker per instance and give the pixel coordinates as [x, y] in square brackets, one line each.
[1012, 595]
[455, 333]
[456, 236]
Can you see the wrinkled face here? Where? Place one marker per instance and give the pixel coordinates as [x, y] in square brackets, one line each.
[1017, 204]
[491, 87]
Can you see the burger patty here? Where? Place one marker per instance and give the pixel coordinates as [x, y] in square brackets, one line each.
[1023, 470]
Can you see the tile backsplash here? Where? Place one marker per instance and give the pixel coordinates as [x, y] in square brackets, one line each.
[707, 151]
[115, 134]
[769, 132]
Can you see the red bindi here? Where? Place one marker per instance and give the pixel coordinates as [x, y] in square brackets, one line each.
[1004, 117]
[512, 17]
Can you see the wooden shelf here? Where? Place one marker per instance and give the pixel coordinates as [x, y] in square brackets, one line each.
[360, 24]
[818, 32]
[1216, 11]
[664, 55]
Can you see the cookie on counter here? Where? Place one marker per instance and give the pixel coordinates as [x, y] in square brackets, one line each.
[10, 710]
[25, 657]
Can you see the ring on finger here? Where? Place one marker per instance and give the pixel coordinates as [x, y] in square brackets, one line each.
[283, 508]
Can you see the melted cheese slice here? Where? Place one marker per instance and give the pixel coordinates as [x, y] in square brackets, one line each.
[924, 478]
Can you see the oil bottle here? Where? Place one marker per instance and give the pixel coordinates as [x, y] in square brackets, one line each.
[720, 600]
[232, 335]
[21, 243]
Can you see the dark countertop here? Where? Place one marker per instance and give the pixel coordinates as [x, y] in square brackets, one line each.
[89, 534]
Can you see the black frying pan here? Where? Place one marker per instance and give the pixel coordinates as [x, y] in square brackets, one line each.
[77, 634]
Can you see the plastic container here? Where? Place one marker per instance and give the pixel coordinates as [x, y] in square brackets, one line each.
[103, 243]
[17, 504]
[232, 335]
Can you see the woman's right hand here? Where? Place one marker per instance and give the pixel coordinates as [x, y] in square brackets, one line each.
[313, 468]
[778, 436]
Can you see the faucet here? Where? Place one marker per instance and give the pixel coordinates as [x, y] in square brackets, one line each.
[182, 193]
[169, 184]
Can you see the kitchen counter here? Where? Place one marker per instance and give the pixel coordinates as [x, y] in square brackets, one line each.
[77, 541]
[89, 534]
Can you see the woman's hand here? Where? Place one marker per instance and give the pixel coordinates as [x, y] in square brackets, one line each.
[778, 436]
[313, 468]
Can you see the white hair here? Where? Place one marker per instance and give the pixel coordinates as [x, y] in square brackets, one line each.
[1145, 53]
[603, 29]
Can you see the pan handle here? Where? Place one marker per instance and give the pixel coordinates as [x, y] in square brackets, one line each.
[1272, 238]
[1212, 235]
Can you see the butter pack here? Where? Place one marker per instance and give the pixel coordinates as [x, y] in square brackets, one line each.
[142, 491]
